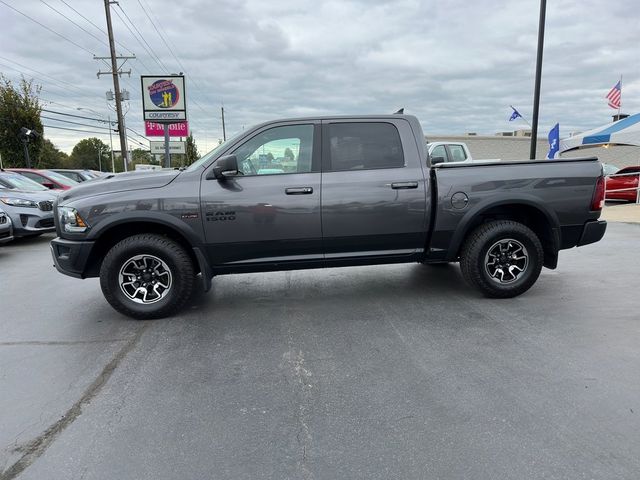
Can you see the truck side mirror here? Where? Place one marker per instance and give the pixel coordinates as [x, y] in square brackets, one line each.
[226, 166]
[437, 160]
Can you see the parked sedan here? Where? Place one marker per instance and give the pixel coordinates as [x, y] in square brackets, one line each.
[6, 228]
[77, 175]
[28, 205]
[623, 182]
[46, 178]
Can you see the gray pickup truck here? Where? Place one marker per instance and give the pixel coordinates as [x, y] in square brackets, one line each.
[323, 192]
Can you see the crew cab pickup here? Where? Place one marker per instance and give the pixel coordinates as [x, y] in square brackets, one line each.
[323, 192]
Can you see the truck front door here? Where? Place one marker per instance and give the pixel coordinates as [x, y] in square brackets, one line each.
[270, 213]
[373, 189]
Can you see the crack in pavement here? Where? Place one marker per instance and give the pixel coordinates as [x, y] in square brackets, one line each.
[35, 448]
[303, 377]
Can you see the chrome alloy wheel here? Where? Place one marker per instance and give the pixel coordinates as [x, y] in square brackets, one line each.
[506, 260]
[145, 279]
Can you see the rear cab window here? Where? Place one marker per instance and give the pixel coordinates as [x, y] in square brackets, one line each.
[363, 146]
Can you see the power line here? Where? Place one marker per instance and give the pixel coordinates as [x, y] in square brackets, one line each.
[74, 123]
[139, 134]
[46, 28]
[149, 49]
[75, 130]
[95, 26]
[80, 27]
[165, 41]
[76, 116]
[66, 84]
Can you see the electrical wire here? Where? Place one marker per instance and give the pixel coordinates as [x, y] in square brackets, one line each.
[96, 26]
[79, 26]
[76, 116]
[47, 28]
[75, 130]
[148, 48]
[74, 123]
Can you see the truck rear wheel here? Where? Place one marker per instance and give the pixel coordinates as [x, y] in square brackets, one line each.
[147, 276]
[502, 258]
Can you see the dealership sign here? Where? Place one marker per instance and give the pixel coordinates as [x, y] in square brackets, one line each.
[153, 129]
[163, 98]
[157, 148]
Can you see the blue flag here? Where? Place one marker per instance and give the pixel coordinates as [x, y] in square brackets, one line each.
[554, 142]
[515, 114]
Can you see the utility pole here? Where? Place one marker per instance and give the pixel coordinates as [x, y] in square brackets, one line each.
[116, 81]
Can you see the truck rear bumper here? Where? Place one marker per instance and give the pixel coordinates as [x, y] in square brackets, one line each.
[70, 257]
[592, 232]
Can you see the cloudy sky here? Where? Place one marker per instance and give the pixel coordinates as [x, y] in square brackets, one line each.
[455, 64]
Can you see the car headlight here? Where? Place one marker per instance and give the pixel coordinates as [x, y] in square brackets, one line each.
[71, 221]
[19, 202]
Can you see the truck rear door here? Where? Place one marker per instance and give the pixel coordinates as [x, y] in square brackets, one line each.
[373, 189]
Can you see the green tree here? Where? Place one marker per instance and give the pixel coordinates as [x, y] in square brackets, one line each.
[91, 153]
[191, 150]
[51, 157]
[19, 107]
[140, 155]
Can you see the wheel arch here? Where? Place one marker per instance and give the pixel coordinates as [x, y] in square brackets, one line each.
[534, 215]
[114, 232]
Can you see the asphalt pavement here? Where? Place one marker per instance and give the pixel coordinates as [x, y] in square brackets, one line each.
[381, 372]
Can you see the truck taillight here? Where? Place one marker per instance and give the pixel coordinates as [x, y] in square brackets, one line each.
[597, 202]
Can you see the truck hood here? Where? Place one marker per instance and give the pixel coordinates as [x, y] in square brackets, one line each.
[119, 182]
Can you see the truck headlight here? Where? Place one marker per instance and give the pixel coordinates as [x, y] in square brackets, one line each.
[19, 202]
[71, 221]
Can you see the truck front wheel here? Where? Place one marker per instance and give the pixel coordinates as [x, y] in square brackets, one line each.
[147, 276]
[502, 258]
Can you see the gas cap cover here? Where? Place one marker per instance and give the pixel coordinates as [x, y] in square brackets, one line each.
[459, 200]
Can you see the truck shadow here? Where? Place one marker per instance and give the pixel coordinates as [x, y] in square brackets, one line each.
[312, 288]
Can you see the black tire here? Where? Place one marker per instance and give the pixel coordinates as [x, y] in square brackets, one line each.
[482, 260]
[162, 255]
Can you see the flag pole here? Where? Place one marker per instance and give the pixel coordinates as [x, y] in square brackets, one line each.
[520, 115]
[620, 104]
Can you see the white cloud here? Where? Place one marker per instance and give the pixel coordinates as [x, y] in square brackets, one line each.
[457, 65]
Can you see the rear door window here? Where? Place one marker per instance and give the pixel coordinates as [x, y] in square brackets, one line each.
[364, 146]
[457, 153]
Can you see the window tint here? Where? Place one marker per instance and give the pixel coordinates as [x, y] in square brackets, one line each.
[34, 177]
[439, 151]
[276, 151]
[457, 153]
[359, 146]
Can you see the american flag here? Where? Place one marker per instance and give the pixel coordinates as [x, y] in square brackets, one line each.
[615, 95]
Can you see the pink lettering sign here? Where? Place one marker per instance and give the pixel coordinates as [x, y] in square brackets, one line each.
[152, 129]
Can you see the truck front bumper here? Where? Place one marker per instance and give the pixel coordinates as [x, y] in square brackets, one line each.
[592, 232]
[70, 256]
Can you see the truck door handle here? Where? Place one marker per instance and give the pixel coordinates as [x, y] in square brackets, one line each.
[299, 191]
[404, 185]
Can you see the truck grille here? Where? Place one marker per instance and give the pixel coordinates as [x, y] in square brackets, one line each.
[45, 206]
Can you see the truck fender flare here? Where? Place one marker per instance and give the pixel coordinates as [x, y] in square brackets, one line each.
[146, 217]
[468, 219]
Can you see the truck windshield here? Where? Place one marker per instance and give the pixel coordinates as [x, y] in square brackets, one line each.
[206, 157]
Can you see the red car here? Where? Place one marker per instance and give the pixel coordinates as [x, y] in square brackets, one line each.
[46, 178]
[618, 183]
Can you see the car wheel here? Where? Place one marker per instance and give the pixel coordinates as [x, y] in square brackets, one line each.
[502, 258]
[147, 276]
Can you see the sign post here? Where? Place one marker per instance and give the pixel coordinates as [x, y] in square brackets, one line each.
[164, 101]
